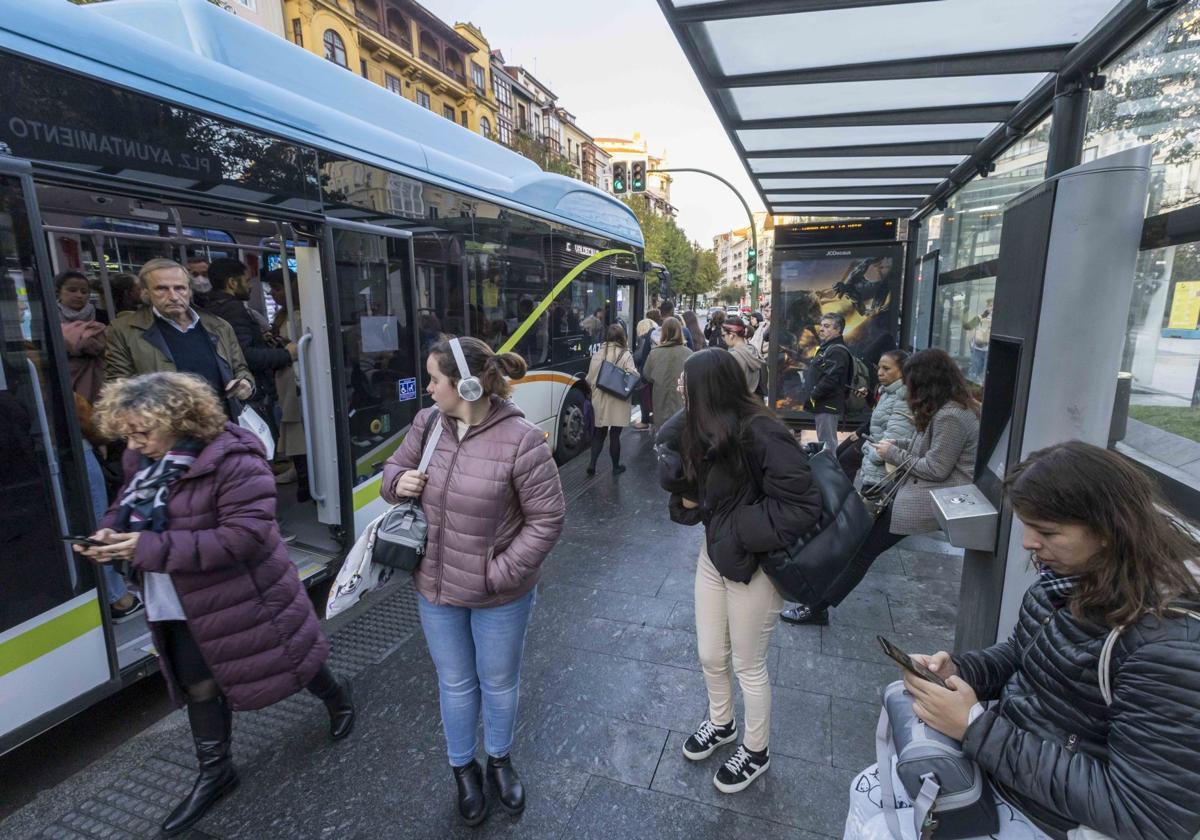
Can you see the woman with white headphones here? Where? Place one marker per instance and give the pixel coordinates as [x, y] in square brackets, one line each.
[495, 508]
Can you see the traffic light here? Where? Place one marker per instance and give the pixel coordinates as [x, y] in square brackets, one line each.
[637, 176]
[751, 266]
[620, 184]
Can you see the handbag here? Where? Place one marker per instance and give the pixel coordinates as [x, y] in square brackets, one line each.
[250, 420]
[358, 574]
[805, 570]
[615, 381]
[402, 531]
[951, 797]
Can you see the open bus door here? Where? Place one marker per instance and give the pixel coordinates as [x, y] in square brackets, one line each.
[56, 648]
[366, 345]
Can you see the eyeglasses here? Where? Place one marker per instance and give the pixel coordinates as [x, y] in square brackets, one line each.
[139, 435]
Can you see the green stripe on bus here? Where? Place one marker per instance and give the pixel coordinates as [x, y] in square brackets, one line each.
[53, 634]
[554, 293]
[368, 492]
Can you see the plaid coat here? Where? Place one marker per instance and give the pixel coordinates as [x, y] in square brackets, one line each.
[944, 457]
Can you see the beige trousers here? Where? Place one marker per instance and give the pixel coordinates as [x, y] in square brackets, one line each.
[734, 622]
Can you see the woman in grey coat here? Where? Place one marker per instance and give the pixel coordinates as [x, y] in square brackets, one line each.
[940, 454]
[662, 370]
[891, 419]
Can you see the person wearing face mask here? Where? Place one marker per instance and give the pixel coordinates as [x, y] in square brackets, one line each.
[230, 291]
[495, 509]
[1074, 749]
[83, 333]
[202, 287]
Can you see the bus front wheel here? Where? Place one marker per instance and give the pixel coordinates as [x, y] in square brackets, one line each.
[572, 432]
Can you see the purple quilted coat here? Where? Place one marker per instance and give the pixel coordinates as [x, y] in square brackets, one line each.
[244, 602]
[494, 504]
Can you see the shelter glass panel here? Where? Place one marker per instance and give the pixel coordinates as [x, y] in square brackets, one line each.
[895, 32]
[1150, 97]
[760, 139]
[778, 101]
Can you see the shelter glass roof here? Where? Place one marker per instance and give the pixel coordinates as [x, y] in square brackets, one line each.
[874, 93]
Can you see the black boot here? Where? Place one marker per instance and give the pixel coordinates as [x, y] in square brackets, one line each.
[337, 699]
[212, 727]
[509, 790]
[472, 802]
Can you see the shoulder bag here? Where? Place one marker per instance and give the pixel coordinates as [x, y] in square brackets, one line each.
[613, 380]
[400, 541]
[804, 570]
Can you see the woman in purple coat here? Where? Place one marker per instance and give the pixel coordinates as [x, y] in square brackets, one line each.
[195, 523]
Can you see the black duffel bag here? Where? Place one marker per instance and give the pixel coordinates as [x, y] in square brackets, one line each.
[806, 571]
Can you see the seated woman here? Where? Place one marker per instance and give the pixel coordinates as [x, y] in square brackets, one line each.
[940, 454]
[1060, 750]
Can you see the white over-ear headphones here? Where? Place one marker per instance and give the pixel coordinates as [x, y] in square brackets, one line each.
[469, 387]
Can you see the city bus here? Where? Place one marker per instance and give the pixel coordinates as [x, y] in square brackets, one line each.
[136, 129]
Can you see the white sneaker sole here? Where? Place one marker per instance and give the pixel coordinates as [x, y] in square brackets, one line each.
[700, 756]
[742, 785]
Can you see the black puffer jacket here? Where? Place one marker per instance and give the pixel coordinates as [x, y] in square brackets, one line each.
[1130, 770]
[744, 516]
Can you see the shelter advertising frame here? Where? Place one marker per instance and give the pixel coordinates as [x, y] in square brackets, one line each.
[861, 282]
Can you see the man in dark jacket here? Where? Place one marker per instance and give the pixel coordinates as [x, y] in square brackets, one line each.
[231, 289]
[828, 375]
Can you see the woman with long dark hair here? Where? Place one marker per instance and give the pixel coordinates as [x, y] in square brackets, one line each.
[740, 473]
[1075, 742]
[941, 454]
[693, 324]
[613, 414]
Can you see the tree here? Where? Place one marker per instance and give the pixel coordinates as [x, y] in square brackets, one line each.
[539, 151]
[730, 294]
[666, 243]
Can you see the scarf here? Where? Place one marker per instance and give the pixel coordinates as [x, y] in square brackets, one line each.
[1058, 587]
[144, 504]
[88, 313]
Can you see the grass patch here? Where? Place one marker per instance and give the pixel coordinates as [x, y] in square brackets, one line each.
[1178, 420]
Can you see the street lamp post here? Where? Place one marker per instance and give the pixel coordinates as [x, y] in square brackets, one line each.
[749, 215]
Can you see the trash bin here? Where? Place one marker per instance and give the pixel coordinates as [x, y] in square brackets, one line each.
[1120, 415]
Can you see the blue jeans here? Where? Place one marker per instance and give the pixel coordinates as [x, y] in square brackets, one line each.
[478, 658]
[113, 581]
[978, 364]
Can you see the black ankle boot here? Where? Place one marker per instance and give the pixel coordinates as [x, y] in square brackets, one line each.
[509, 790]
[337, 699]
[212, 728]
[472, 801]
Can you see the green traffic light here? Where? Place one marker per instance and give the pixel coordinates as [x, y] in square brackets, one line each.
[751, 252]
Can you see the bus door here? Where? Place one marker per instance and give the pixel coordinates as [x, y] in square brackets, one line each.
[55, 650]
[375, 358]
[627, 306]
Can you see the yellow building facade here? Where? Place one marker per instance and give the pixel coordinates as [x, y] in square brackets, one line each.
[403, 47]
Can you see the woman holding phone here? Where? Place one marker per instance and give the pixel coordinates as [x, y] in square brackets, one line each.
[195, 523]
[1068, 748]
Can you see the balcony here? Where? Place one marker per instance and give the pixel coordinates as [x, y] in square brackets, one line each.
[432, 60]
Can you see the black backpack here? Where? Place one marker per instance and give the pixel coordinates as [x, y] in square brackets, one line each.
[858, 384]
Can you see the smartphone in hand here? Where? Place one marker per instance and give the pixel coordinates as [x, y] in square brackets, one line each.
[906, 662]
[85, 541]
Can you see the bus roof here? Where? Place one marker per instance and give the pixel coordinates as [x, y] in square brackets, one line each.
[215, 62]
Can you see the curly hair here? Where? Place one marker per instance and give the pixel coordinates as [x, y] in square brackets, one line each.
[181, 403]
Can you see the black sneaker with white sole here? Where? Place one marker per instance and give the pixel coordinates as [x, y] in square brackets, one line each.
[707, 737]
[742, 768]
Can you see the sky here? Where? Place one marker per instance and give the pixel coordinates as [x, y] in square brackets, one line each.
[618, 68]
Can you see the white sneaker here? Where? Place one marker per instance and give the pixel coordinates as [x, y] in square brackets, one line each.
[288, 476]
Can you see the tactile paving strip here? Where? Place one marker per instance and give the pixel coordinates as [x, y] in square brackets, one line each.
[136, 803]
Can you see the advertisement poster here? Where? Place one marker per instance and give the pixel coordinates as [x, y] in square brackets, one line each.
[1185, 310]
[859, 282]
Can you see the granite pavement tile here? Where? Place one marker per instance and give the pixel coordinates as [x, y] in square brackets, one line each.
[852, 679]
[612, 811]
[802, 794]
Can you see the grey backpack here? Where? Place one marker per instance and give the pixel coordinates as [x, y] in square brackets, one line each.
[401, 533]
[950, 795]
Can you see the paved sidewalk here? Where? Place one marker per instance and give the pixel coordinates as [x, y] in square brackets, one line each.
[611, 688]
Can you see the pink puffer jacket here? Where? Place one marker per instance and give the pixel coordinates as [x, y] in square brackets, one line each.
[494, 504]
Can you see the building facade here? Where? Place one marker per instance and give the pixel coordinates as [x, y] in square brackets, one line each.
[733, 253]
[405, 48]
[658, 186]
[265, 13]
